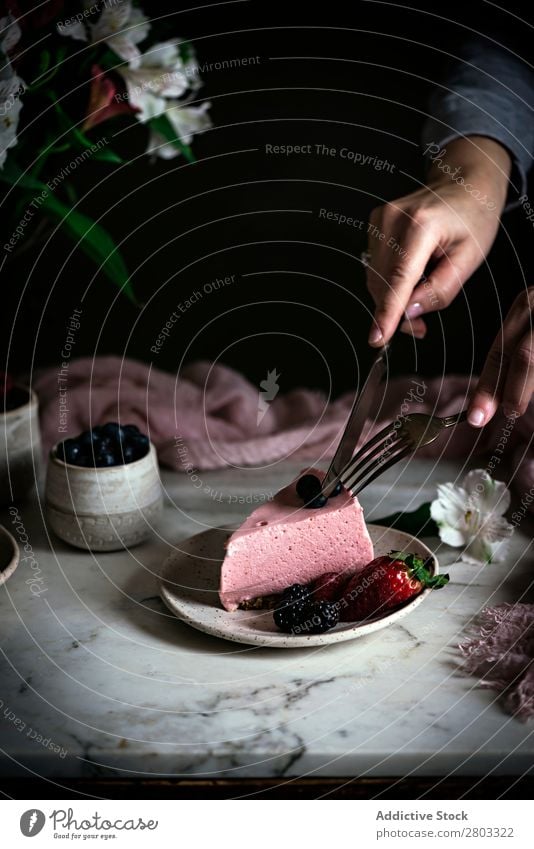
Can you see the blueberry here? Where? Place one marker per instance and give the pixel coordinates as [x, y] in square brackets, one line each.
[318, 501]
[113, 430]
[337, 490]
[131, 430]
[140, 445]
[85, 459]
[126, 453]
[105, 445]
[85, 439]
[70, 450]
[308, 486]
[105, 458]
[60, 451]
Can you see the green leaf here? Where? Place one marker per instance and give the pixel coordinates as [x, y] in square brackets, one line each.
[416, 522]
[94, 241]
[101, 154]
[106, 154]
[44, 65]
[162, 125]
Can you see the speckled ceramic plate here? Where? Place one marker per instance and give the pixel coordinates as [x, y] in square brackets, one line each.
[189, 583]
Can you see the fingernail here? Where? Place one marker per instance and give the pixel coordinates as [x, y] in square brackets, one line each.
[476, 416]
[375, 336]
[414, 310]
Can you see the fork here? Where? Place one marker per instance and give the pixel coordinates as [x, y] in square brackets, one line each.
[392, 444]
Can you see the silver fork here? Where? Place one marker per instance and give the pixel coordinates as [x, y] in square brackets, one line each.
[392, 444]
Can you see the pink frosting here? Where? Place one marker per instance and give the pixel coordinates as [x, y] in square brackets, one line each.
[283, 543]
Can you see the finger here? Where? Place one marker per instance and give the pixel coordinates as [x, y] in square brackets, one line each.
[414, 327]
[440, 287]
[489, 391]
[519, 385]
[405, 264]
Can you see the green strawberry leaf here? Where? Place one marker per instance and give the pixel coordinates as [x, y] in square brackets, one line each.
[417, 567]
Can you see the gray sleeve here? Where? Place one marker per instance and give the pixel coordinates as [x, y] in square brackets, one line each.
[490, 93]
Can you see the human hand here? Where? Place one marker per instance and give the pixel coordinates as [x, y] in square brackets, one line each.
[451, 222]
[508, 374]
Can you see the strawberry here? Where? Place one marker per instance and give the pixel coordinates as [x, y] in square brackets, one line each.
[328, 587]
[385, 583]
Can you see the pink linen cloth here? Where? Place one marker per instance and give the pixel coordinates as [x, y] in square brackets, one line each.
[207, 418]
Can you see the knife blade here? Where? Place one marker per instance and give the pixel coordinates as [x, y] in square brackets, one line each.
[355, 422]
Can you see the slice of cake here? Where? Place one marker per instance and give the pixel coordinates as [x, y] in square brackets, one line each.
[283, 543]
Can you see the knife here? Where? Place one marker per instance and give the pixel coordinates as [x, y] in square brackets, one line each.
[355, 422]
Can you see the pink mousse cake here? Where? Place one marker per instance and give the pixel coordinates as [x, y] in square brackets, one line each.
[283, 543]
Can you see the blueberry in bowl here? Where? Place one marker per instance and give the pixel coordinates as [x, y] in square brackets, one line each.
[103, 488]
[104, 445]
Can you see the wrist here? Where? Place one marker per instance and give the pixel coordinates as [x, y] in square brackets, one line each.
[476, 163]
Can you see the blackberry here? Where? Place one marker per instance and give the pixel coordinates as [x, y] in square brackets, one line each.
[296, 592]
[288, 615]
[319, 616]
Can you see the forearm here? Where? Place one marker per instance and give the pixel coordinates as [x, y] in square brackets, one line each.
[487, 93]
[479, 164]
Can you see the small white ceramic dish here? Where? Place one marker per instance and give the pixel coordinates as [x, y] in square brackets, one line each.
[105, 508]
[189, 583]
[20, 447]
[9, 554]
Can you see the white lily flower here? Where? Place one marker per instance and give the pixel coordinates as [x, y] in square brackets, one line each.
[121, 25]
[187, 122]
[11, 87]
[159, 74]
[471, 516]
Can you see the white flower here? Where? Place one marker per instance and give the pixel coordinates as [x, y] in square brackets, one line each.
[11, 87]
[186, 121]
[121, 25]
[471, 515]
[159, 74]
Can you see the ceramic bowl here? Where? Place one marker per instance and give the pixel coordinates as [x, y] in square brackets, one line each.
[9, 554]
[103, 509]
[20, 447]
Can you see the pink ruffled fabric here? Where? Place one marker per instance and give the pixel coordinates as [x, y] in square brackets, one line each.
[207, 416]
[500, 651]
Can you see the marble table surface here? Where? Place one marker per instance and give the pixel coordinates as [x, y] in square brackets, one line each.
[97, 678]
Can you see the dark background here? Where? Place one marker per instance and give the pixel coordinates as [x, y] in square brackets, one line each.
[361, 79]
